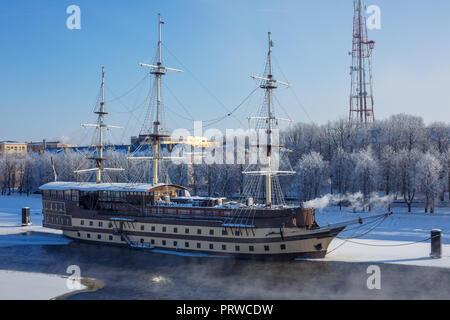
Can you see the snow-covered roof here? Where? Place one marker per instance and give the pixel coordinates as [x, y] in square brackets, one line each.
[92, 186]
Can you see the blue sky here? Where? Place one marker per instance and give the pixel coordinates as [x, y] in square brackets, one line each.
[50, 75]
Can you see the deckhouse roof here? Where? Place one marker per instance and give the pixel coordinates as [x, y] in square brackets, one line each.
[92, 186]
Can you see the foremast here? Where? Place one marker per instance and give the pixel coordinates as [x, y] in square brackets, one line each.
[99, 144]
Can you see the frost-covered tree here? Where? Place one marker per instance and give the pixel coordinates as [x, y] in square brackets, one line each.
[429, 168]
[406, 168]
[445, 158]
[341, 168]
[312, 173]
[388, 172]
[366, 173]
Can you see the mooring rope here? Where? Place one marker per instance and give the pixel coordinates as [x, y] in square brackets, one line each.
[345, 240]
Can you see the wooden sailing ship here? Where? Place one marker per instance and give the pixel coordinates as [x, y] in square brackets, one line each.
[164, 216]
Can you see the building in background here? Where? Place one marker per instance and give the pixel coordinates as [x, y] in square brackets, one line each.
[12, 147]
[39, 147]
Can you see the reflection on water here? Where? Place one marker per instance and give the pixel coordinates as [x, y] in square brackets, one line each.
[132, 274]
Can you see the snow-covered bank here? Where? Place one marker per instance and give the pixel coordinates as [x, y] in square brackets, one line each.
[401, 226]
[17, 285]
[381, 251]
[402, 238]
[11, 209]
[11, 230]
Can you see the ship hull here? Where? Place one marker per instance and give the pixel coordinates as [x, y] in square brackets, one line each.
[212, 240]
[130, 218]
[208, 254]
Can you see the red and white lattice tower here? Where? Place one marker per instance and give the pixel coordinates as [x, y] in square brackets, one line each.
[361, 95]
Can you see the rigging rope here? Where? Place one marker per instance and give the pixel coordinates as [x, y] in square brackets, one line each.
[129, 91]
[201, 83]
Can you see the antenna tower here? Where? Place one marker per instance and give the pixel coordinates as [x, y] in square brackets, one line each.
[361, 96]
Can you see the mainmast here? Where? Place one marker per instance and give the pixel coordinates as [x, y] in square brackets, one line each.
[99, 144]
[155, 137]
[268, 121]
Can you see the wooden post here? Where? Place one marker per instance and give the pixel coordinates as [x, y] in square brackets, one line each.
[436, 244]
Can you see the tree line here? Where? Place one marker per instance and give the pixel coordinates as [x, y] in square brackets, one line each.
[399, 156]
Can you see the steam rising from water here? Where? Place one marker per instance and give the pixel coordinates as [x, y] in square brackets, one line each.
[356, 200]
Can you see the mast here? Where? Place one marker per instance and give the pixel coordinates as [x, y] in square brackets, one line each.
[99, 144]
[269, 87]
[157, 124]
[269, 121]
[101, 115]
[158, 71]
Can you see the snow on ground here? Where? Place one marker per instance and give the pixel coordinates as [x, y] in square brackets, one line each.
[17, 285]
[11, 230]
[402, 238]
[381, 251]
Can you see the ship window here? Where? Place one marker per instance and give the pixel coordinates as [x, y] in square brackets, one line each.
[99, 236]
[164, 242]
[237, 233]
[152, 241]
[266, 248]
[100, 224]
[283, 247]
[74, 195]
[142, 227]
[186, 230]
[251, 248]
[211, 232]
[110, 237]
[199, 231]
[211, 246]
[224, 247]
[175, 243]
[224, 232]
[237, 248]
[175, 230]
[199, 245]
[88, 235]
[164, 229]
[82, 222]
[186, 244]
[91, 223]
[78, 234]
[153, 228]
[110, 225]
[67, 195]
[142, 240]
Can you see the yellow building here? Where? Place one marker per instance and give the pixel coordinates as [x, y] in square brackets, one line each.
[41, 146]
[12, 147]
